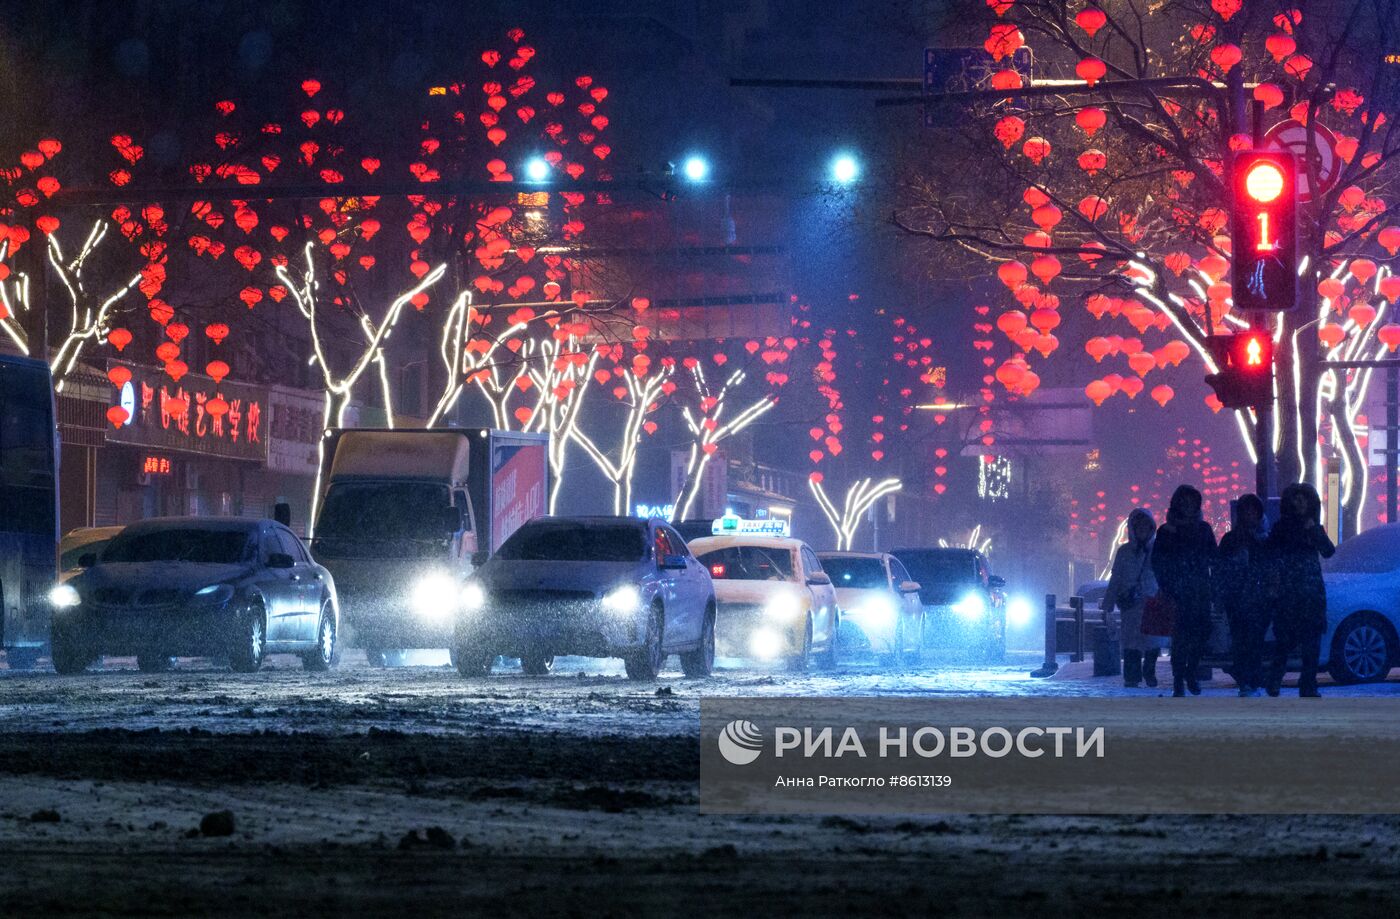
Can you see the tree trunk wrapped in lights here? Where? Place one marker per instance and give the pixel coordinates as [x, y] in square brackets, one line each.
[708, 429]
[860, 497]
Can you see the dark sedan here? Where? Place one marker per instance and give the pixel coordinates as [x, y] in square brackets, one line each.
[229, 588]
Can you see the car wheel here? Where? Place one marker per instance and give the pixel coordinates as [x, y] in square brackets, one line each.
[827, 659]
[380, 657]
[473, 662]
[536, 663]
[154, 663]
[325, 655]
[701, 661]
[798, 662]
[1362, 650]
[68, 655]
[249, 640]
[645, 663]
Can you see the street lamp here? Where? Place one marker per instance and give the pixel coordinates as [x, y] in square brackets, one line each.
[696, 168]
[536, 169]
[845, 168]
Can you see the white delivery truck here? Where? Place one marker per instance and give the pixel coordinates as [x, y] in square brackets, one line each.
[406, 515]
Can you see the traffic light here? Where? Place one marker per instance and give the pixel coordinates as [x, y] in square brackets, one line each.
[1263, 231]
[1246, 362]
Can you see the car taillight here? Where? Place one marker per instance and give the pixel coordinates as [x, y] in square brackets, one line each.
[717, 571]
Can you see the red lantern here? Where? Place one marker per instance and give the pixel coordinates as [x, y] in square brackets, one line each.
[216, 407]
[1363, 269]
[217, 332]
[167, 351]
[117, 416]
[217, 369]
[1389, 334]
[1036, 149]
[1091, 161]
[1090, 120]
[1098, 391]
[1091, 70]
[119, 376]
[1012, 274]
[176, 331]
[1090, 19]
[119, 338]
[1162, 394]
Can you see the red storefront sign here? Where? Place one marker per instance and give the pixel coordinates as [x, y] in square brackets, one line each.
[194, 415]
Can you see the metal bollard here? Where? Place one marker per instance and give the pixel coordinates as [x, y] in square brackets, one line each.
[1076, 604]
[1050, 665]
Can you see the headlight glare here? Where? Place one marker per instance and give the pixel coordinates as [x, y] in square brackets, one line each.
[782, 606]
[473, 597]
[64, 596]
[1019, 611]
[622, 600]
[435, 597]
[971, 606]
[878, 610]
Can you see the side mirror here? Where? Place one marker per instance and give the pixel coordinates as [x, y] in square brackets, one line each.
[672, 563]
[282, 513]
[452, 519]
[87, 560]
[909, 587]
[819, 579]
[280, 560]
[996, 582]
[480, 558]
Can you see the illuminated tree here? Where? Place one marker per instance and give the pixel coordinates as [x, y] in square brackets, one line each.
[1120, 193]
[704, 417]
[641, 392]
[860, 497]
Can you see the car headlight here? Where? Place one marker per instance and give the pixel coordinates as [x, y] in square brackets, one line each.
[473, 597]
[971, 606]
[435, 597]
[1019, 611]
[782, 606]
[623, 600]
[879, 610]
[64, 596]
[765, 644]
[214, 593]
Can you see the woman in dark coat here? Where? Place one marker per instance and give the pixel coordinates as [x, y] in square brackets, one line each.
[1243, 574]
[1182, 557]
[1297, 544]
[1129, 586]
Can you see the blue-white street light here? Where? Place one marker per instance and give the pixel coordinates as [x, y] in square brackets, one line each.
[536, 169]
[696, 168]
[845, 169]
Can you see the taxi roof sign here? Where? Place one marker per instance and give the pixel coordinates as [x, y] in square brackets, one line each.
[732, 524]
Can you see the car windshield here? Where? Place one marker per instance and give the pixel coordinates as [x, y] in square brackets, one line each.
[748, 563]
[69, 560]
[574, 541]
[864, 573]
[213, 547]
[939, 567]
[383, 510]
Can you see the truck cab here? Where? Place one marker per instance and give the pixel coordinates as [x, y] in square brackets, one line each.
[406, 515]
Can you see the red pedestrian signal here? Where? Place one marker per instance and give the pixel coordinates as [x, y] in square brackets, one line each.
[1246, 362]
[1263, 230]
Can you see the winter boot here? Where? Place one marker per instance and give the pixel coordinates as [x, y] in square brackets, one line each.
[1132, 668]
[1149, 667]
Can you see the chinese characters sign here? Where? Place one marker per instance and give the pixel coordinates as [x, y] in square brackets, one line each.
[195, 415]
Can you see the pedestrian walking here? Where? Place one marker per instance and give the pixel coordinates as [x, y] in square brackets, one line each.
[1297, 544]
[1129, 586]
[1243, 585]
[1182, 558]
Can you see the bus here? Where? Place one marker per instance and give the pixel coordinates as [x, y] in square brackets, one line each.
[28, 507]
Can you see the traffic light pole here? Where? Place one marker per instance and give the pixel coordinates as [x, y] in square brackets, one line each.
[1264, 434]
